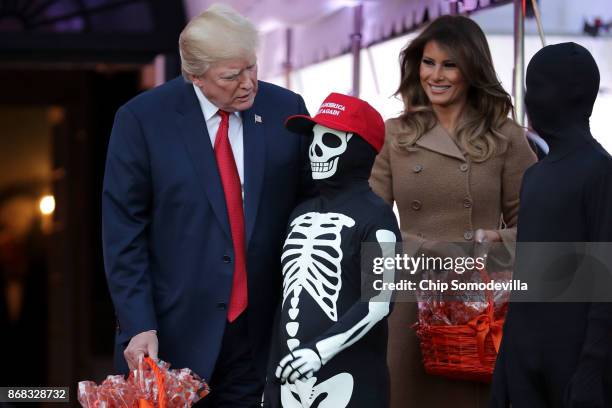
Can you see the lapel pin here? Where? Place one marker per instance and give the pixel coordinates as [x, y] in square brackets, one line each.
[258, 119]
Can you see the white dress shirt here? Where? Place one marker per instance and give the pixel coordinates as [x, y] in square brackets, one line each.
[235, 132]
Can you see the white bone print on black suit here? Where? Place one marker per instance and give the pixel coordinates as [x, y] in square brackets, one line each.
[330, 347]
[311, 261]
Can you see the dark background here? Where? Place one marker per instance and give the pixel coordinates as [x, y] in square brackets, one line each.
[65, 68]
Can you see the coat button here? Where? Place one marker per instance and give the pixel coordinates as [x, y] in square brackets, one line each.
[221, 306]
[467, 203]
[416, 205]
[464, 167]
[468, 235]
[418, 168]
[227, 259]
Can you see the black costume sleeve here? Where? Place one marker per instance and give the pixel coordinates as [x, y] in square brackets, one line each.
[598, 342]
[587, 386]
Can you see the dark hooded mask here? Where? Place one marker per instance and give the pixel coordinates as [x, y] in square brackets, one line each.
[562, 84]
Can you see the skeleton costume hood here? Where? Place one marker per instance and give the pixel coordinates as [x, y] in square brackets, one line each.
[330, 340]
[565, 198]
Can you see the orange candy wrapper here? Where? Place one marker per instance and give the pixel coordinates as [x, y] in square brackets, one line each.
[152, 385]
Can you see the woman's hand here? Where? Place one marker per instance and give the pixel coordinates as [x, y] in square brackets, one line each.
[442, 249]
[481, 236]
[486, 244]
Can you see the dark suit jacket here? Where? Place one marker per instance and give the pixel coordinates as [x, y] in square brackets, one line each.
[167, 246]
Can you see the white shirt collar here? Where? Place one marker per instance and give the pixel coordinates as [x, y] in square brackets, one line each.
[208, 108]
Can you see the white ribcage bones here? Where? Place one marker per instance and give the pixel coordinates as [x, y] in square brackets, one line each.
[337, 391]
[311, 261]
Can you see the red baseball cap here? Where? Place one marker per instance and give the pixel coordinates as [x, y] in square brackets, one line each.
[346, 113]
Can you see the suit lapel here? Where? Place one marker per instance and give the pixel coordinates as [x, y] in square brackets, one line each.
[192, 129]
[254, 164]
[439, 141]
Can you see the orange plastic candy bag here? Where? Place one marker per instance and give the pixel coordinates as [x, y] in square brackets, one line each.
[152, 385]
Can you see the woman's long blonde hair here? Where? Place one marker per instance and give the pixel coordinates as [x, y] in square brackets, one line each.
[488, 104]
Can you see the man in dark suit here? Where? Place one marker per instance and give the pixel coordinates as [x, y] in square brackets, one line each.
[200, 179]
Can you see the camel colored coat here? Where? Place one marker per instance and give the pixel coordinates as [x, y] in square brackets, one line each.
[442, 195]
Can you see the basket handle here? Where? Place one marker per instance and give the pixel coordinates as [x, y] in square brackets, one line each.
[161, 388]
[484, 276]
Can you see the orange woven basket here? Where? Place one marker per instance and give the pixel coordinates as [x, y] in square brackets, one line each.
[465, 352]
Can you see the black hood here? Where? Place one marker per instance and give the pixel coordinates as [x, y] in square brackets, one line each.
[562, 84]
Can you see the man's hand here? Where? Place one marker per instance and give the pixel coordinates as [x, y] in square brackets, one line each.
[300, 364]
[142, 344]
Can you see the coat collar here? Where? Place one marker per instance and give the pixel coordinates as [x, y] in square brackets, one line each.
[438, 140]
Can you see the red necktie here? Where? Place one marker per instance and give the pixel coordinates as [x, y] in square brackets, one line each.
[233, 201]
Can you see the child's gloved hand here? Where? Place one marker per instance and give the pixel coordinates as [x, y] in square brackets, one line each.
[299, 364]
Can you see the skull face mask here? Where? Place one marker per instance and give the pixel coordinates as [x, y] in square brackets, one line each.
[325, 150]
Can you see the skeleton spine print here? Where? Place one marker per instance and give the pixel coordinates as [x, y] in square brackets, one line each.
[311, 260]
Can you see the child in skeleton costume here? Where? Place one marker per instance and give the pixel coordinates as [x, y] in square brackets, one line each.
[329, 348]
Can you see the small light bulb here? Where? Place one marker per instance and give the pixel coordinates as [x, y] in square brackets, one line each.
[47, 205]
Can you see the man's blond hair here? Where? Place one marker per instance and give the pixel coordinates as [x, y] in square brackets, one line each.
[219, 33]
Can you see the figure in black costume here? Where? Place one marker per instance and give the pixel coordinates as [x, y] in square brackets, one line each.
[559, 354]
[331, 341]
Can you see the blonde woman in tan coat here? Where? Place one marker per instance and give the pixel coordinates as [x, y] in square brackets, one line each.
[452, 163]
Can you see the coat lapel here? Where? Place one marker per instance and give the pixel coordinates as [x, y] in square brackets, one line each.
[439, 141]
[192, 129]
[254, 164]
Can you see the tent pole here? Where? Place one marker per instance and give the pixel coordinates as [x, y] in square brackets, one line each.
[519, 61]
[356, 48]
[287, 67]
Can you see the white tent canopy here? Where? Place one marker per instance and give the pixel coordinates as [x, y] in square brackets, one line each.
[311, 31]
[323, 29]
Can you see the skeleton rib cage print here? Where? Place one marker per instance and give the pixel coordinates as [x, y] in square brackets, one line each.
[322, 309]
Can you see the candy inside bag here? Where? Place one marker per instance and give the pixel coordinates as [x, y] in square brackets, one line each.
[151, 385]
[114, 392]
[182, 388]
[450, 308]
